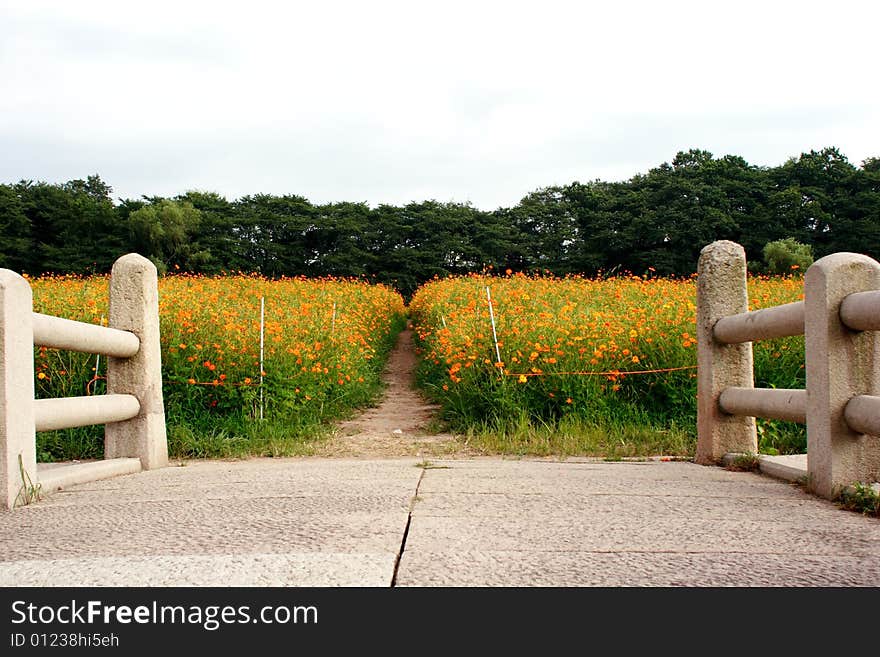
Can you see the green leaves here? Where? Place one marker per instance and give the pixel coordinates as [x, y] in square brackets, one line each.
[653, 222]
[163, 232]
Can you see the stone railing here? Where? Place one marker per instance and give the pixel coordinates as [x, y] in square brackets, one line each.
[132, 409]
[838, 317]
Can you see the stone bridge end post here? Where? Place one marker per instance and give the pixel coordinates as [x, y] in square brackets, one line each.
[721, 291]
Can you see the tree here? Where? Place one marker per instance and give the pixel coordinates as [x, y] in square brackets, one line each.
[15, 229]
[94, 239]
[74, 227]
[163, 232]
[274, 235]
[812, 202]
[549, 230]
[414, 243]
[215, 239]
[341, 235]
[787, 256]
[683, 207]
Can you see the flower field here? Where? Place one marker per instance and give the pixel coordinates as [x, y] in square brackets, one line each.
[325, 343]
[613, 358]
[603, 366]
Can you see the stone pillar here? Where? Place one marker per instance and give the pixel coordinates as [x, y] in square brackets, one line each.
[841, 363]
[721, 291]
[17, 433]
[134, 306]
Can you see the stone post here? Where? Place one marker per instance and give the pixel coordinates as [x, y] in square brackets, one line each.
[841, 363]
[134, 306]
[17, 432]
[721, 291]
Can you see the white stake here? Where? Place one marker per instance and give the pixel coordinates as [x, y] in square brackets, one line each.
[333, 321]
[492, 318]
[97, 367]
[262, 332]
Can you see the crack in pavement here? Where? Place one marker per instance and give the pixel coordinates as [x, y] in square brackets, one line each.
[400, 551]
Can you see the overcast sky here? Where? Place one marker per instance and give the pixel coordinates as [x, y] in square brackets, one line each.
[392, 102]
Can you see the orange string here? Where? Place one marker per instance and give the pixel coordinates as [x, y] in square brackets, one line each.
[219, 384]
[93, 380]
[608, 373]
[211, 383]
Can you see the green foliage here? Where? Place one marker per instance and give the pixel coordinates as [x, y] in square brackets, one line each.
[164, 232]
[30, 491]
[744, 463]
[787, 256]
[861, 498]
[656, 221]
[15, 229]
[523, 434]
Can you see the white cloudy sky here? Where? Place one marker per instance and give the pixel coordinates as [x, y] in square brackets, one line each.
[390, 102]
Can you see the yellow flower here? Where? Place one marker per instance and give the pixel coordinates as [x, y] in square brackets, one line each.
[522, 378]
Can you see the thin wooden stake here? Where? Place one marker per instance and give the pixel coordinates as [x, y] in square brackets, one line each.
[492, 319]
[262, 333]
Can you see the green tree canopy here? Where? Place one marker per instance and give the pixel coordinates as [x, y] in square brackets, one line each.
[787, 256]
[655, 221]
[164, 230]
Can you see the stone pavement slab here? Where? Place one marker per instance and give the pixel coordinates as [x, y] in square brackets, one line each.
[277, 522]
[531, 568]
[570, 523]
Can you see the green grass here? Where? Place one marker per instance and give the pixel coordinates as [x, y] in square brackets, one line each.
[191, 435]
[81, 443]
[269, 438]
[860, 498]
[573, 436]
[744, 463]
[30, 492]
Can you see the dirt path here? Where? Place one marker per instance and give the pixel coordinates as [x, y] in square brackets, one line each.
[401, 424]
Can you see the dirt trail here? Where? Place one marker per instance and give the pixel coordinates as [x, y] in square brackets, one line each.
[401, 424]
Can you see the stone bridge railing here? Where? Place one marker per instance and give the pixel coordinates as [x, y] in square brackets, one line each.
[839, 318]
[132, 409]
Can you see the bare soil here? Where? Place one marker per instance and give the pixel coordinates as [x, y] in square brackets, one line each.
[401, 425]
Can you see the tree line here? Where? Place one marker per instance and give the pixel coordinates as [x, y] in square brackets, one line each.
[658, 220]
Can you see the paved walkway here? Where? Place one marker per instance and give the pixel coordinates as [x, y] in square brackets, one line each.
[456, 522]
